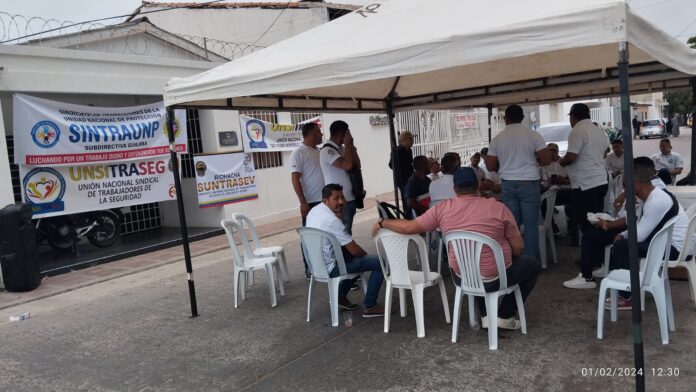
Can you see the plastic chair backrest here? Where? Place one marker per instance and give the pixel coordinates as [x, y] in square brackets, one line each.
[313, 241]
[658, 254]
[390, 211]
[550, 197]
[467, 247]
[230, 227]
[243, 221]
[395, 246]
[691, 211]
[687, 249]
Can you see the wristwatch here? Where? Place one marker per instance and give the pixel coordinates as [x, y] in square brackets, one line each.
[379, 222]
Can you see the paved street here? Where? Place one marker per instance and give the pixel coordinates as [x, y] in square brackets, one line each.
[132, 333]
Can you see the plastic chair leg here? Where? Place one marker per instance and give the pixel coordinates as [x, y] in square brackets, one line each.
[542, 246]
[520, 309]
[614, 297]
[236, 286]
[642, 300]
[552, 243]
[250, 278]
[457, 313]
[445, 303]
[670, 308]
[279, 279]
[271, 284]
[417, 295]
[364, 277]
[243, 286]
[402, 302]
[473, 314]
[607, 259]
[387, 306]
[280, 256]
[600, 311]
[691, 270]
[492, 313]
[333, 301]
[439, 254]
[661, 303]
[309, 297]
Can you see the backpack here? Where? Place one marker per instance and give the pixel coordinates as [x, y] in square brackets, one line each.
[356, 180]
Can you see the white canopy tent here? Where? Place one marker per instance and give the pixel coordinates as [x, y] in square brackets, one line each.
[403, 54]
[447, 53]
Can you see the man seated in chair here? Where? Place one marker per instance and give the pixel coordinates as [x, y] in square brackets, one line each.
[325, 217]
[469, 211]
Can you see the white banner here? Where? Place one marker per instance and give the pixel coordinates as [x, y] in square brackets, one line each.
[224, 179]
[63, 190]
[54, 133]
[266, 136]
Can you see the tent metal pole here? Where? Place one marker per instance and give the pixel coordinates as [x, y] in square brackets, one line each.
[182, 214]
[490, 116]
[627, 135]
[692, 175]
[394, 154]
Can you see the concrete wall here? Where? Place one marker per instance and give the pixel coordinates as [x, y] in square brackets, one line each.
[6, 195]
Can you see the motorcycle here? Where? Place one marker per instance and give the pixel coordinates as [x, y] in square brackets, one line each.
[101, 228]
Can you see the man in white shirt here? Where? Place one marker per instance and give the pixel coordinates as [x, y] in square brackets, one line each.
[514, 153]
[474, 162]
[584, 162]
[305, 173]
[443, 189]
[554, 172]
[667, 163]
[324, 217]
[337, 157]
[615, 159]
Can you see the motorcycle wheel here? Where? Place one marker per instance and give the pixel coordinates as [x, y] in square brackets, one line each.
[107, 231]
[59, 233]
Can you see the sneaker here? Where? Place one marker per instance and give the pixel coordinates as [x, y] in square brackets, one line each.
[580, 283]
[509, 323]
[598, 273]
[621, 303]
[344, 303]
[307, 274]
[354, 287]
[375, 311]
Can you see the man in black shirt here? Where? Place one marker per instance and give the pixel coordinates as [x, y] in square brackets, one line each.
[418, 186]
[404, 156]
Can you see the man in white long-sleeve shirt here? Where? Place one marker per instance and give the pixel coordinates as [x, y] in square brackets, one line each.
[659, 206]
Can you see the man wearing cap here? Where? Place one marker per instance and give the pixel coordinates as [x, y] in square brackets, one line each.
[515, 154]
[584, 162]
[469, 211]
[401, 162]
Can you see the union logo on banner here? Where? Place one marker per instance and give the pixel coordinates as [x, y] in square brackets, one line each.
[45, 134]
[44, 189]
[256, 130]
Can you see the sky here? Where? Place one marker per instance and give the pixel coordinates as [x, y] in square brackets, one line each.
[676, 17]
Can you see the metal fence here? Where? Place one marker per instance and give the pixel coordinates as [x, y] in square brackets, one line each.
[437, 132]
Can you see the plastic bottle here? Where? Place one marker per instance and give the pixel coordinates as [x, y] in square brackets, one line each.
[20, 317]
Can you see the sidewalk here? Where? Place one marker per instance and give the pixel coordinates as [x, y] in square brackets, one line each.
[133, 333]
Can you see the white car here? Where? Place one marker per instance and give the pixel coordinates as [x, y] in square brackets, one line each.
[556, 132]
[652, 128]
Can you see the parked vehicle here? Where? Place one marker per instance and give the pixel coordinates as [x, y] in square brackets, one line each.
[556, 132]
[101, 228]
[652, 128]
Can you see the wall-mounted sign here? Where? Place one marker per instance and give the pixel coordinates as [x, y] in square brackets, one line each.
[70, 189]
[228, 139]
[266, 136]
[379, 120]
[49, 133]
[224, 179]
[466, 121]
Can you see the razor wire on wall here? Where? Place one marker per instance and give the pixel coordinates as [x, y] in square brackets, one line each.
[437, 132]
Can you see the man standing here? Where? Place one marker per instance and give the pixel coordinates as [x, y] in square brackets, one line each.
[418, 186]
[584, 162]
[667, 163]
[514, 154]
[324, 217]
[443, 188]
[636, 126]
[401, 162]
[469, 211]
[338, 156]
[615, 159]
[305, 171]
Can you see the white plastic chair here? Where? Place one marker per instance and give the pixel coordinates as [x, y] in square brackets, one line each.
[398, 276]
[467, 248]
[248, 263]
[653, 279]
[313, 242]
[546, 226]
[687, 250]
[260, 250]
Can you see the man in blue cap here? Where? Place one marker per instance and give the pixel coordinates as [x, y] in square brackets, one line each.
[471, 212]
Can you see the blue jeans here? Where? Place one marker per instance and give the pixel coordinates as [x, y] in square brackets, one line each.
[362, 264]
[523, 199]
[349, 212]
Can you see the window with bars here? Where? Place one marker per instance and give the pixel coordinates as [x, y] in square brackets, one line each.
[195, 144]
[140, 218]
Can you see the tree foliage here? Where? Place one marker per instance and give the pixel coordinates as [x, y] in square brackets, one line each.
[681, 100]
[692, 42]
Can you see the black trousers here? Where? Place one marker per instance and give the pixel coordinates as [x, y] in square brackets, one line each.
[592, 248]
[582, 202]
[619, 257]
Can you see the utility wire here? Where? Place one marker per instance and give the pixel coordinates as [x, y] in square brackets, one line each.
[274, 22]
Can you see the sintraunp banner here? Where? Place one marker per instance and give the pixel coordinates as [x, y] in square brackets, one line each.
[262, 135]
[224, 179]
[49, 133]
[63, 190]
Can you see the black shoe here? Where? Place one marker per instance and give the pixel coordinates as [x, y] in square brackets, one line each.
[308, 274]
[344, 303]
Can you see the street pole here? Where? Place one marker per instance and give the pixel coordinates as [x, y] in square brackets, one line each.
[182, 213]
[394, 153]
[627, 134]
[490, 116]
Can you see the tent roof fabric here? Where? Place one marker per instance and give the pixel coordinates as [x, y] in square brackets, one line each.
[447, 53]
